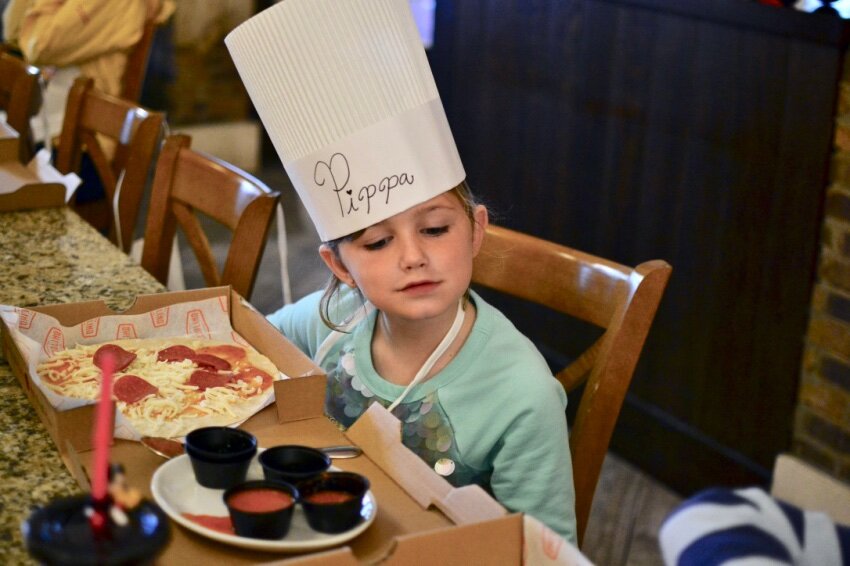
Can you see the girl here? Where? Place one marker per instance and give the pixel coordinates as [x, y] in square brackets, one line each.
[477, 400]
[345, 92]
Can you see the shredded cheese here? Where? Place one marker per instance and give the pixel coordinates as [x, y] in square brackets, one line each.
[178, 406]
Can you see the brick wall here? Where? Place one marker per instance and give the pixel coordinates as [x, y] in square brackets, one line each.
[822, 420]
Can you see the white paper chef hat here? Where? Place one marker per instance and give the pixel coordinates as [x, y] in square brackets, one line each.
[344, 89]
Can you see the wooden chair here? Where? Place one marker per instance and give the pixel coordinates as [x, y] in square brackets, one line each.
[121, 138]
[619, 299]
[20, 98]
[137, 64]
[186, 182]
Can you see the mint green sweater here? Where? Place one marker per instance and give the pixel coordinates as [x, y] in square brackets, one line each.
[493, 416]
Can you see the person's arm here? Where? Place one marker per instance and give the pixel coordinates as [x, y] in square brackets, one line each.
[299, 322]
[532, 469]
[72, 32]
[719, 525]
[13, 16]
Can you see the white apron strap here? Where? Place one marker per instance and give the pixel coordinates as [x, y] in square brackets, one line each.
[335, 336]
[441, 348]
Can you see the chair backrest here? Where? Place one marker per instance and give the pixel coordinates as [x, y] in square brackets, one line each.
[20, 98]
[619, 299]
[122, 139]
[137, 64]
[187, 182]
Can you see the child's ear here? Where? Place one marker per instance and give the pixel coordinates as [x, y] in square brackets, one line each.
[335, 264]
[479, 226]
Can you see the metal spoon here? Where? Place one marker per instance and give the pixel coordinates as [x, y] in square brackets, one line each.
[342, 452]
[169, 448]
[165, 447]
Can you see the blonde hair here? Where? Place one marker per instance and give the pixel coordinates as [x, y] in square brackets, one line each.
[464, 196]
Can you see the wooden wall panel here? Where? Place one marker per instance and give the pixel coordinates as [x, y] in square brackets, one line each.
[693, 131]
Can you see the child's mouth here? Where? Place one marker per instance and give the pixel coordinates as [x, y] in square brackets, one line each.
[420, 287]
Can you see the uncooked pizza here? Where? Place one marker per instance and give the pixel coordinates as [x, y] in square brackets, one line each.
[168, 386]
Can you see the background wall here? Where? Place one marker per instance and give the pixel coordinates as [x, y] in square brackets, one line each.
[822, 424]
[192, 77]
[697, 131]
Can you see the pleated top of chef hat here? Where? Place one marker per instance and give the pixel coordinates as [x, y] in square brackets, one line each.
[344, 90]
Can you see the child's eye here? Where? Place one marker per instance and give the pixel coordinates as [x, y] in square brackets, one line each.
[436, 231]
[377, 244]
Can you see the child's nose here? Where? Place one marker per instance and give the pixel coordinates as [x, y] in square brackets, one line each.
[412, 254]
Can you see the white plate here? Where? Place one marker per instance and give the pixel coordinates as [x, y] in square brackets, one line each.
[175, 490]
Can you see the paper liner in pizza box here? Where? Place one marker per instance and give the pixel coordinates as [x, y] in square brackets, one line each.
[39, 336]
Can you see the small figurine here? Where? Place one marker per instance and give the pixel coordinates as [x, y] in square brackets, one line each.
[123, 497]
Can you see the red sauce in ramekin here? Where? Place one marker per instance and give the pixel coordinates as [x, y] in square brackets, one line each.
[329, 497]
[260, 500]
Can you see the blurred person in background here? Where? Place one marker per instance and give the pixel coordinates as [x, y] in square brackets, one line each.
[67, 38]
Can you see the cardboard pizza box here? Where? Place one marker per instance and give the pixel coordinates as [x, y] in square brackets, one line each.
[9, 143]
[421, 518]
[73, 427]
[37, 185]
[20, 188]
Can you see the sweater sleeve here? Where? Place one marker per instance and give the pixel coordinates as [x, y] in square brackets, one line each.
[532, 467]
[508, 415]
[301, 324]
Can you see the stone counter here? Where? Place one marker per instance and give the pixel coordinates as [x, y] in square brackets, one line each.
[48, 256]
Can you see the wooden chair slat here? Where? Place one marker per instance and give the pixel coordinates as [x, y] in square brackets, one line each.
[189, 182]
[198, 241]
[93, 147]
[20, 98]
[122, 138]
[137, 63]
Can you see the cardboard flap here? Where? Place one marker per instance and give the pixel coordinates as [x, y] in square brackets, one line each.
[489, 542]
[469, 504]
[9, 143]
[257, 330]
[39, 195]
[378, 433]
[300, 398]
[339, 557]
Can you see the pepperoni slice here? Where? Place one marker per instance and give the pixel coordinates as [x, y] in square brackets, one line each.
[205, 379]
[229, 352]
[175, 354]
[132, 388]
[211, 362]
[249, 373]
[122, 357]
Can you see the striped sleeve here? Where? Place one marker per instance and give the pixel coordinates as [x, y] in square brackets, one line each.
[748, 526]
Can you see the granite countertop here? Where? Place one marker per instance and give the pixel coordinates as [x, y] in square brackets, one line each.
[48, 256]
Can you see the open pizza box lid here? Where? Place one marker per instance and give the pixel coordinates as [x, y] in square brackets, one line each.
[420, 516]
[34, 185]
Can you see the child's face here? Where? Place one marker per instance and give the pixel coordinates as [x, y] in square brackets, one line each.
[416, 264]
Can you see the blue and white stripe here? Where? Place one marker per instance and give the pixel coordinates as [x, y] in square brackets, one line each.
[747, 527]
